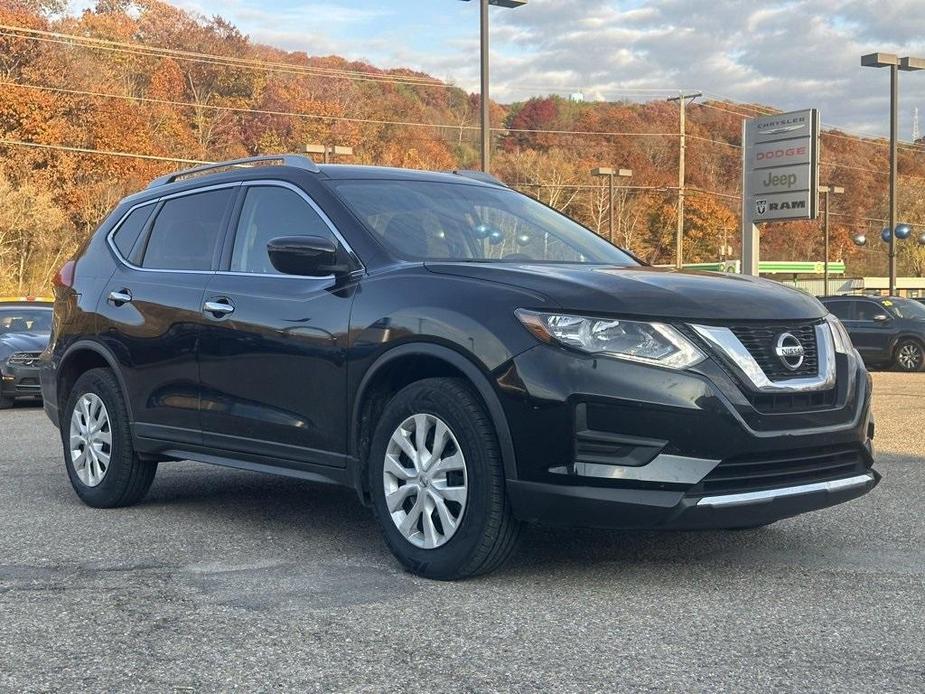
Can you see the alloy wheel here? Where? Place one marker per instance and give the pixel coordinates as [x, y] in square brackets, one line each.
[910, 356]
[90, 439]
[425, 481]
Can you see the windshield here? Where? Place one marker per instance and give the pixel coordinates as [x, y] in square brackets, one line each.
[25, 320]
[905, 308]
[426, 220]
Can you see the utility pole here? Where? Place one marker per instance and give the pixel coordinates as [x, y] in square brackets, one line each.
[682, 100]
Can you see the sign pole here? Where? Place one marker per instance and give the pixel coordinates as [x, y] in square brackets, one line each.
[750, 238]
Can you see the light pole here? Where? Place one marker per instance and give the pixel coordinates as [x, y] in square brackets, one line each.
[826, 191]
[486, 109]
[328, 152]
[682, 100]
[895, 64]
[610, 173]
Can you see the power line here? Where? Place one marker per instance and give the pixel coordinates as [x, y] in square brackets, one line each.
[108, 153]
[373, 121]
[208, 58]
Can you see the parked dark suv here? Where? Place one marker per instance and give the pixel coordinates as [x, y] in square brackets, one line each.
[462, 356]
[887, 331]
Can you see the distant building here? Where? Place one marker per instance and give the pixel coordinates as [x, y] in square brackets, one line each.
[576, 96]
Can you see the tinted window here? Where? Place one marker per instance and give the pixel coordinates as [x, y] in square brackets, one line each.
[186, 231]
[866, 310]
[268, 213]
[843, 310]
[457, 221]
[130, 229]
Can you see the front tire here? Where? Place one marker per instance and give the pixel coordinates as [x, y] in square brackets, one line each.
[6, 403]
[437, 482]
[909, 356]
[99, 457]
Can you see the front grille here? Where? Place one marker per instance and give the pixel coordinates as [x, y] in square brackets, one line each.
[754, 473]
[761, 341]
[777, 403]
[24, 359]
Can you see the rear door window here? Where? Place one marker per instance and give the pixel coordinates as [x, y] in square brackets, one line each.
[843, 310]
[187, 230]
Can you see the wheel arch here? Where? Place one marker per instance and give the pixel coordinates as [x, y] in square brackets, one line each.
[80, 357]
[385, 377]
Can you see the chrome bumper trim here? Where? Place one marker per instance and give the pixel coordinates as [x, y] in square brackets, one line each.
[669, 469]
[771, 494]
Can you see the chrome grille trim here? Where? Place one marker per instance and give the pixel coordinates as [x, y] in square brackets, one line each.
[724, 341]
[24, 359]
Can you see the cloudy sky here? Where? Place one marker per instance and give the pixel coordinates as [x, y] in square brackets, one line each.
[787, 54]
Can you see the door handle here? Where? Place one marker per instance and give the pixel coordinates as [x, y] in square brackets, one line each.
[118, 298]
[219, 308]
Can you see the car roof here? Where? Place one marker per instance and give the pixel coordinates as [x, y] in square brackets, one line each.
[845, 297]
[387, 173]
[271, 166]
[30, 301]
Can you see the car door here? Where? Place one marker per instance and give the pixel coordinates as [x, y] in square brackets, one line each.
[274, 346]
[872, 330]
[151, 309]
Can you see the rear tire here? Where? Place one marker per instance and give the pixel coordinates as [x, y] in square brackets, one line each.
[909, 356]
[442, 538]
[99, 457]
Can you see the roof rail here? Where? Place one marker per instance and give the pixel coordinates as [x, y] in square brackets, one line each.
[297, 160]
[480, 176]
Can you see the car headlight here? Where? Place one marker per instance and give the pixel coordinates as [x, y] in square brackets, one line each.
[657, 344]
[840, 336]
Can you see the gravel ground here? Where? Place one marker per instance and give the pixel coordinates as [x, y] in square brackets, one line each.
[225, 580]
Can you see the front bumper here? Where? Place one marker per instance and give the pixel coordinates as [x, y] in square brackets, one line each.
[20, 382]
[605, 443]
[598, 507]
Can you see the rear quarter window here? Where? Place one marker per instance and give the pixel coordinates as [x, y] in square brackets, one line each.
[130, 229]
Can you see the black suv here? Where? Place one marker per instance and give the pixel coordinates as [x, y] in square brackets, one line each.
[461, 355]
[887, 331]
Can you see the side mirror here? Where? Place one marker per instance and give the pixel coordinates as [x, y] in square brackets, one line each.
[881, 318]
[306, 256]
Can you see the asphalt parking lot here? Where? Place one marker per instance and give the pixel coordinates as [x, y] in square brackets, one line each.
[226, 580]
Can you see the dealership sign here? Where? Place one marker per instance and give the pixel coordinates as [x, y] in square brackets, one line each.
[781, 160]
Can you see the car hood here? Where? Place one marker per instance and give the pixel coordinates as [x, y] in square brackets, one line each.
[23, 342]
[648, 292]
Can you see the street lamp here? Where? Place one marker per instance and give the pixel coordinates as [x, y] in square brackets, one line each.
[610, 173]
[826, 191]
[486, 110]
[895, 64]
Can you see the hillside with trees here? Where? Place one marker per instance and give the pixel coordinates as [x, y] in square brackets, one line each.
[94, 106]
